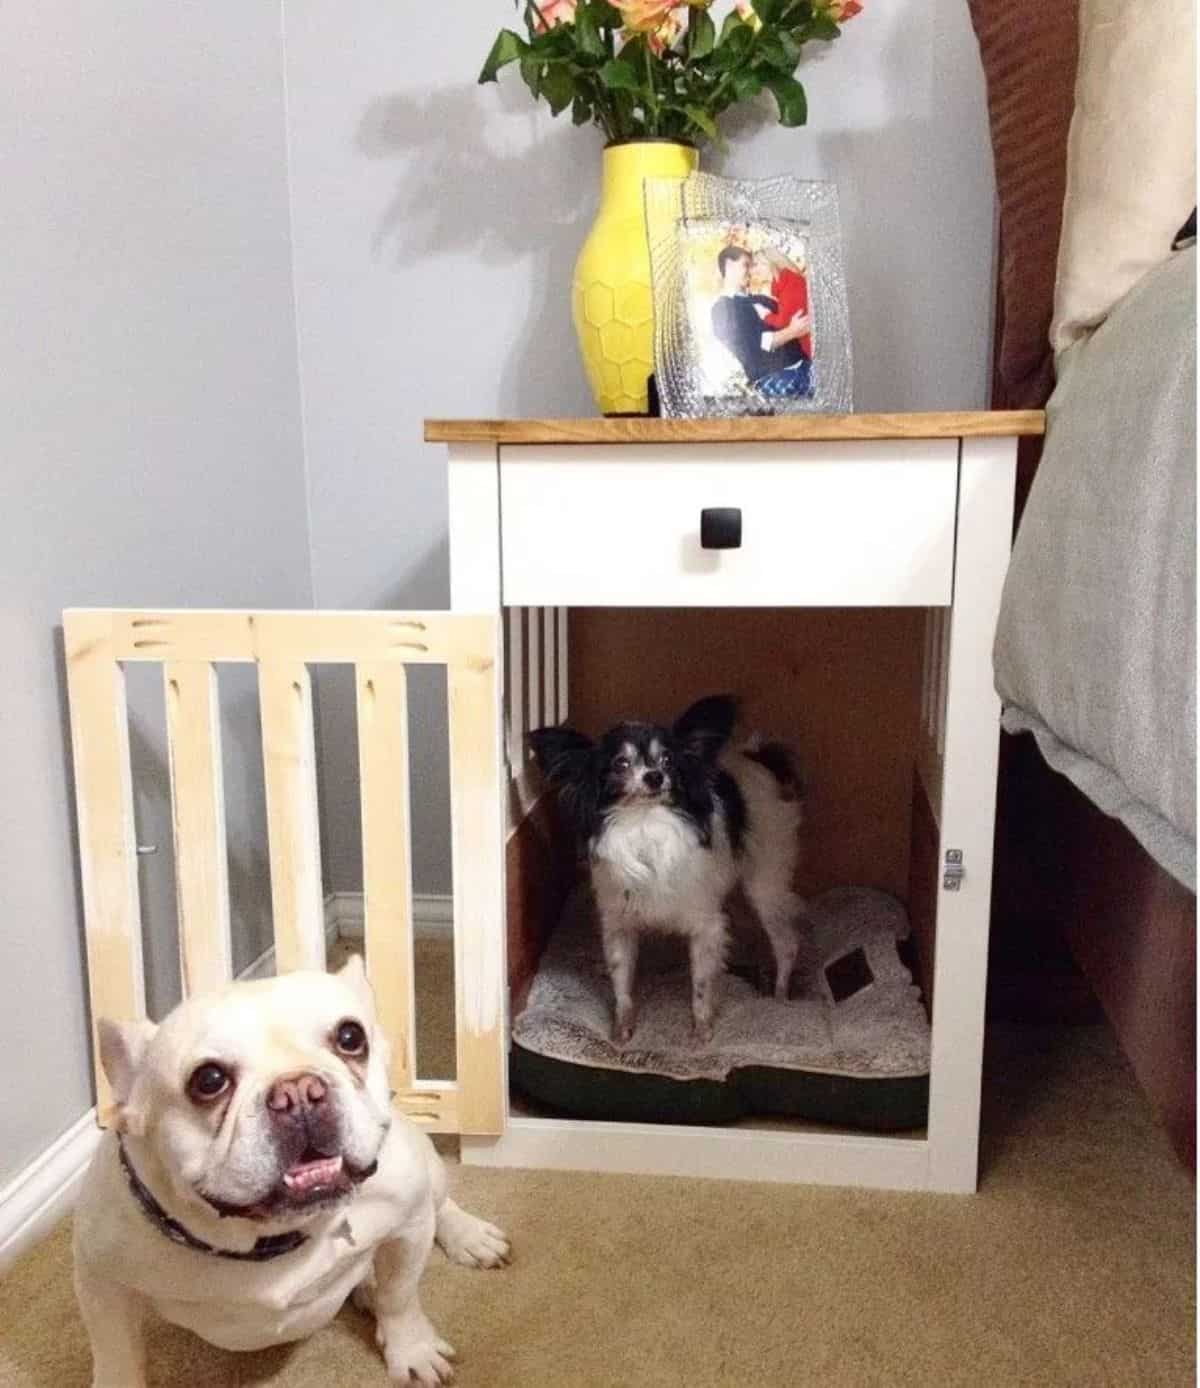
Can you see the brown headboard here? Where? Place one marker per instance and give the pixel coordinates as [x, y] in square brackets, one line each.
[1029, 56]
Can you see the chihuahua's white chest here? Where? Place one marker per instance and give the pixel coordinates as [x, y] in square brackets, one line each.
[643, 858]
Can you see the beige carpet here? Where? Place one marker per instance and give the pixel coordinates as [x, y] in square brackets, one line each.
[1074, 1265]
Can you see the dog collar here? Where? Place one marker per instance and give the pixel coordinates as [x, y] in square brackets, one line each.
[273, 1246]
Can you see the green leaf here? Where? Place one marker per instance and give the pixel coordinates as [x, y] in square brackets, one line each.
[702, 120]
[747, 84]
[822, 27]
[531, 73]
[558, 87]
[733, 21]
[791, 49]
[790, 98]
[735, 45]
[770, 46]
[607, 16]
[507, 48]
[581, 111]
[768, 10]
[702, 34]
[617, 75]
[587, 34]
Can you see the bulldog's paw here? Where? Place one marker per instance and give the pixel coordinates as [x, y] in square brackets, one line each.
[426, 1362]
[472, 1242]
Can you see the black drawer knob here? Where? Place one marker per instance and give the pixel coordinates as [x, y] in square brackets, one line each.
[721, 527]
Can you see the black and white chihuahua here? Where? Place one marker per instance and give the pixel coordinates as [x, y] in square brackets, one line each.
[674, 819]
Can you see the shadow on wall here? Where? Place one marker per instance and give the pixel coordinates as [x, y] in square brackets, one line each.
[527, 200]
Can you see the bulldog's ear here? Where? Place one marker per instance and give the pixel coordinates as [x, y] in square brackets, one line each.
[353, 973]
[122, 1049]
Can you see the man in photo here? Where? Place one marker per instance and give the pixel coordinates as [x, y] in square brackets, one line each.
[773, 359]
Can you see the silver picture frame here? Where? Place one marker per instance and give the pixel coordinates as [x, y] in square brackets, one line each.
[750, 300]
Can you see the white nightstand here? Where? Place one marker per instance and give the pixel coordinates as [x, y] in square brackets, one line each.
[855, 616]
[907, 514]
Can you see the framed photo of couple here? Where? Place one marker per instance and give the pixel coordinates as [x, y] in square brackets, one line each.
[750, 297]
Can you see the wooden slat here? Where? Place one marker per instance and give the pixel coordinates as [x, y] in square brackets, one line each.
[927, 676]
[549, 663]
[104, 806]
[533, 666]
[198, 823]
[516, 690]
[943, 677]
[316, 637]
[564, 703]
[387, 867]
[477, 828]
[348, 637]
[289, 767]
[432, 1107]
[216, 635]
[773, 429]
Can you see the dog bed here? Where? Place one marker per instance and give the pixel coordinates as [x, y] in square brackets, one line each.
[851, 1046]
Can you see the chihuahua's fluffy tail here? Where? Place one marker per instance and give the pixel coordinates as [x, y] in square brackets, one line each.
[779, 759]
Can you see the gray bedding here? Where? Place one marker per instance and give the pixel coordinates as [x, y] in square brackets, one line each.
[1095, 650]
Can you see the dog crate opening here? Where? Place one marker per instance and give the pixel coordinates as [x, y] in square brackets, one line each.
[828, 780]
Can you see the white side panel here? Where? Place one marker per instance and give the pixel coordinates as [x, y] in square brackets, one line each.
[972, 745]
[474, 500]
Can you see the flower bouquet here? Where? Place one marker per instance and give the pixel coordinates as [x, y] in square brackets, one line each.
[647, 69]
[655, 76]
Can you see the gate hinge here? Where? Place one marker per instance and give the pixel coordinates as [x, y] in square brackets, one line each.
[953, 872]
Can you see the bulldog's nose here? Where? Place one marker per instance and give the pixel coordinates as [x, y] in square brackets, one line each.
[296, 1093]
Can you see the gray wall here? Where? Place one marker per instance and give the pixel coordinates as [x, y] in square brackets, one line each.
[172, 351]
[149, 438]
[436, 224]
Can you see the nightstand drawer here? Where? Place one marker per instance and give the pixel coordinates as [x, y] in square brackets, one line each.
[854, 524]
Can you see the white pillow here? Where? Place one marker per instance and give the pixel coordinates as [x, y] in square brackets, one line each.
[1131, 155]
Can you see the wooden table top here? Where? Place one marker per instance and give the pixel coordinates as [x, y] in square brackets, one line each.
[753, 429]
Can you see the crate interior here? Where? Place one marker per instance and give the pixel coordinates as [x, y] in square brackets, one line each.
[854, 691]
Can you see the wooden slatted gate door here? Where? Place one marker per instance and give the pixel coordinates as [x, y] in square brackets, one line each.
[380, 646]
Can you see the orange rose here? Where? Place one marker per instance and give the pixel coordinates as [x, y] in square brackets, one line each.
[644, 16]
[666, 33]
[746, 10]
[841, 10]
[550, 13]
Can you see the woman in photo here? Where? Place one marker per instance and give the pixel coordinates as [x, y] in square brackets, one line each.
[773, 357]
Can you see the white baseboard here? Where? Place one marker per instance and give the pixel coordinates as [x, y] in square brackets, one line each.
[433, 915]
[40, 1195]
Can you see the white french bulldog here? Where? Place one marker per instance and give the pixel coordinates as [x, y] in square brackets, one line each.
[256, 1176]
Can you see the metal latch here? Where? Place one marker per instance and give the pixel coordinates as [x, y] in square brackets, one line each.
[953, 872]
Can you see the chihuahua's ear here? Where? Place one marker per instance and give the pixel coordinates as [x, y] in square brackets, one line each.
[122, 1049]
[561, 753]
[706, 727]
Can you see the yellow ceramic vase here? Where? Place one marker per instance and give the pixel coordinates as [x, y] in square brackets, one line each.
[611, 296]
